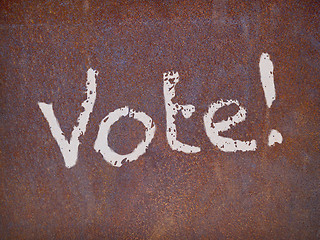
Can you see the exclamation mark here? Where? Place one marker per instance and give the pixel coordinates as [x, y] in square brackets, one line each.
[266, 74]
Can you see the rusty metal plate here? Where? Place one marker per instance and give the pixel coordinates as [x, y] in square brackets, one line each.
[46, 50]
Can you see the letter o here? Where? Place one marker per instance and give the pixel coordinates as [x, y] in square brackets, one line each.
[101, 144]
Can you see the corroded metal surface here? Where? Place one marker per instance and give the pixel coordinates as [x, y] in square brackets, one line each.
[46, 49]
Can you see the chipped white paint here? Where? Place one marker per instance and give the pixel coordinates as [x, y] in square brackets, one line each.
[266, 74]
[69, 150]
[101, 144]
[267, 80]
[274, 137]
[213, 129]
[170, 80]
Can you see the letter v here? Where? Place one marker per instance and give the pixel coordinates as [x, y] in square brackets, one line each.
[69, 150]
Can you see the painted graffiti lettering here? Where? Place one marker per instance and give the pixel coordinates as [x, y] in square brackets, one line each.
[69, 149]
[101, 145]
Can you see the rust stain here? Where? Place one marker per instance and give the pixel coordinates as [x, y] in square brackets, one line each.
[46, 49]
